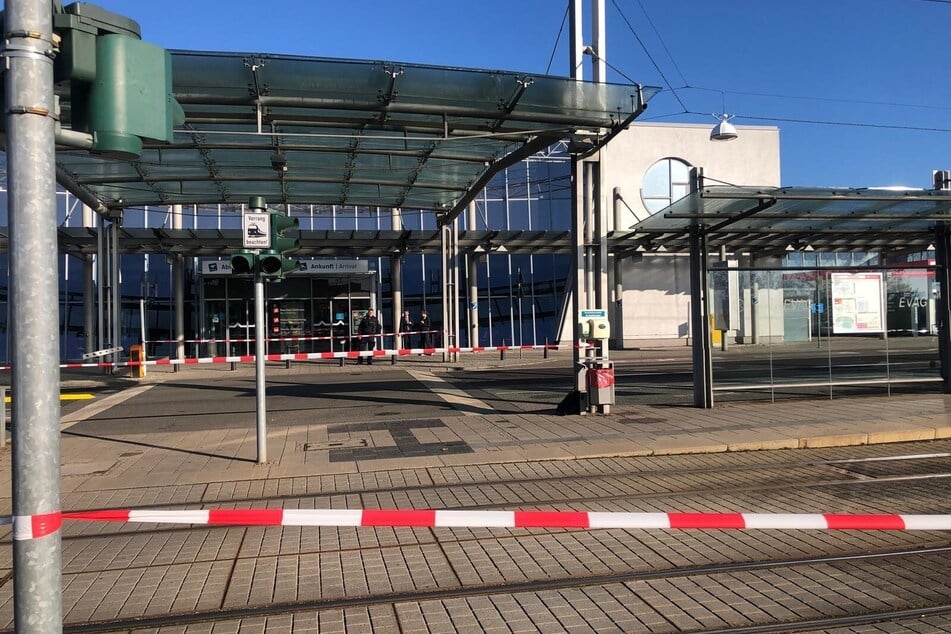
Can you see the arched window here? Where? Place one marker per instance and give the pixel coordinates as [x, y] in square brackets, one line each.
[665, 181]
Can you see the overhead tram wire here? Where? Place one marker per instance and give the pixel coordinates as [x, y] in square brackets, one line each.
[650, 57]
[864, 102]
[561, 30]
[686, 85]
[661, 39]
[854, 124]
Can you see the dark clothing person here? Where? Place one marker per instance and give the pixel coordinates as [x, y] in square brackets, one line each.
[368, 329]
[424, 325]
[406, 326]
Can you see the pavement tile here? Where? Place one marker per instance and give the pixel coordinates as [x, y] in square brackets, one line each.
[169, 571]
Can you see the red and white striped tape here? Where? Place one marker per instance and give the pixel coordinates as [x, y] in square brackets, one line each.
[292, 339]
[304, 356]
[27, 527]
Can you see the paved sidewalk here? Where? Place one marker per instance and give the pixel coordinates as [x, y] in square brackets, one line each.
[471, 437]
[115, 458]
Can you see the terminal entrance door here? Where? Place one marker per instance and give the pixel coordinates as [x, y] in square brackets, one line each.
[229, 327]
[336, 321]
[240, 327]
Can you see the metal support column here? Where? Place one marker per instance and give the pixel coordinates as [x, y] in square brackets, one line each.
[579, 298]
[89, 288]
[700, 320]
[260, 351]
[115, 286]
[472, 274]
[396, 287]
[34, 320]
[576, 40]
[576, 401]
[942, 246]
[454, 272]
[617, 265]
[396, 278]
[178, 290]
[101, 283]
[444, 253]
[754, 302]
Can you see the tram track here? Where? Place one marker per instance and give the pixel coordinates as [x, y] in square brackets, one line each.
[667, 483]
[547, 585]
[824, 625]
[529, 492]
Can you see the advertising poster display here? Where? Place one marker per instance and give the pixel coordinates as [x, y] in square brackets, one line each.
[857, 300]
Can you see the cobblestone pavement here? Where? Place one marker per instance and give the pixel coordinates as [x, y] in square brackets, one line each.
[642, 458]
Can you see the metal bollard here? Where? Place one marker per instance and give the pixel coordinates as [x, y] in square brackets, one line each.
[545, 352]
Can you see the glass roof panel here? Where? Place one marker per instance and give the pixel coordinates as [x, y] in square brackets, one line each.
[318, 130]
[767, 218]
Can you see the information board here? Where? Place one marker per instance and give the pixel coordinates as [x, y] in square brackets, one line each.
[857, 300]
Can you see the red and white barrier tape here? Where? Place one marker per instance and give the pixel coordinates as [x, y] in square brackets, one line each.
[293, 339]
[27, 527]
[303, 356]
[308, 356]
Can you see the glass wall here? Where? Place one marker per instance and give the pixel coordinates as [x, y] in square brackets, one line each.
[303, 313]
[825, 325]
[520, 296]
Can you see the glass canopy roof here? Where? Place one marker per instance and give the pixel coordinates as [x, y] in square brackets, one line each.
[772, 220]
[330, 131]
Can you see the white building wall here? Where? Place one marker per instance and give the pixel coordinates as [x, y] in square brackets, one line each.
[656, 298]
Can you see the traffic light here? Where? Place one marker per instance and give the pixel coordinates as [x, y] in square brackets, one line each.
[119, 88]
[243, 262]
[273, 262]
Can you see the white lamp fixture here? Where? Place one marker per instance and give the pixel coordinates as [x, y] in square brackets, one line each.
[724, 130]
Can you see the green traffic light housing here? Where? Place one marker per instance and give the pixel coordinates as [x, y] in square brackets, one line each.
[279, 224]
[273, 262]
[243, 263]
[118, 88]
[274, 265]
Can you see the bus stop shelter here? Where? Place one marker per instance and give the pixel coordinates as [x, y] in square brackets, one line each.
[772, 221]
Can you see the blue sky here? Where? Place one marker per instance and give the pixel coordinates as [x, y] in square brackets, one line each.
[857, 87]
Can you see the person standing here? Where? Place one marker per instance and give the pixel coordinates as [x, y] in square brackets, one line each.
[425, 327]
[368, 330]
[406, 327]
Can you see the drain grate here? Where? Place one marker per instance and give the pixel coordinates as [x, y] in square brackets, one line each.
[641, 421]
[351, 443]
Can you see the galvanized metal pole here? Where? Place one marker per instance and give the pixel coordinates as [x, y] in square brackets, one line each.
[89, 289]
[260, 335]
[456, 263]
[444, 251]
[700, 320]
[31, 200]
[178, 290]
[472, 273]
